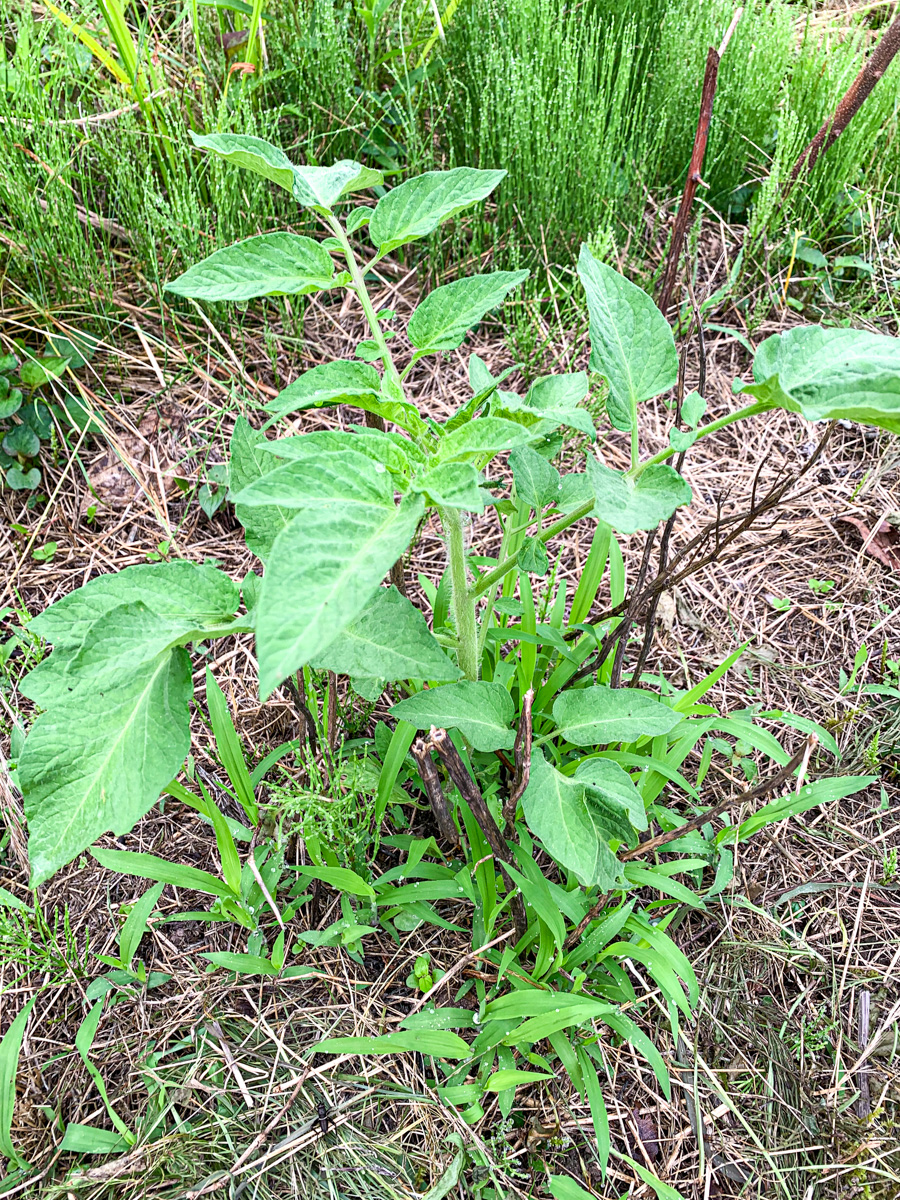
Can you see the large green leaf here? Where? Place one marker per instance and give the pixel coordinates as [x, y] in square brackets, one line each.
[389, 641]
[631, 504]
[250, 460]
[274, 264]
[339, 382]
[345, 382]
[417, 207]
[486, 435]
[123, 641]
[446, 315]
[482, 712]
[574, 829]
[392, 450]
[183, 591]
[454, 485]
[322, 571]
[537, 482]
[614, 784]
[345, 479]
[831, 373]
[631, 342]
[314, 187]
[92, 765]
[596, 716]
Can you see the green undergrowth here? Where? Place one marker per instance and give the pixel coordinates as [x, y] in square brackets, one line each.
[592, 111]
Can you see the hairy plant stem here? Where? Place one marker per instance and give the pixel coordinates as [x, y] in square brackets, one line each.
[359, 286]
[463, 602]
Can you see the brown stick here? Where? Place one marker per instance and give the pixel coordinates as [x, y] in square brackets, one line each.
[436, 798]
[522, 753]
[756, 793]
[853, 99]
[468, 789]
[679, 230]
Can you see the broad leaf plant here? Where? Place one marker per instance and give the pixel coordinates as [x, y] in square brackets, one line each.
[328, 513]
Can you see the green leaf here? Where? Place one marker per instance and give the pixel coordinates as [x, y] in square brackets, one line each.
[339, 382]
[501, 1080]
[596, 716]
[482, 712]
[39, 371]
[196, 593]
[229, 749]
[21, 439]
[249, 461]
[86, 1139]
[416, 208]
[10, 1048]
[486, 435]
[314, 187]
[23, 481]
[11, 401]
[573, 830]
[323, 570]
[537, 482]
[631, 342]
[564, 1187]
[826, 374]
[614, 784]
[274, 264]
[136, 923]
[632, 504]
[445, 316]
[390, 641]
[243, 964]
[662, 1191]
[692, 409]
[148, 866]
[533, 558]
[390, 449]
[341, 878]
[339, 480]
[455, 485]
[357, 218]
[440, 1043]
[125, 640]
[89, 767]
[550, 402]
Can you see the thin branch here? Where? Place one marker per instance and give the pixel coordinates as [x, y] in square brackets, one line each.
[471, 794]
[755, 793]
[853, 99]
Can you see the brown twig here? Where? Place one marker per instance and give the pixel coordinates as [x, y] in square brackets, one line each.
[755, 793]
[853, 99]
[433, 790]
[680, 228]
[471, 794]
[522, 755]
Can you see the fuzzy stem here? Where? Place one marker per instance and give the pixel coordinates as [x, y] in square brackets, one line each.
[462, 601]
[359, 286]
[487, 581]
